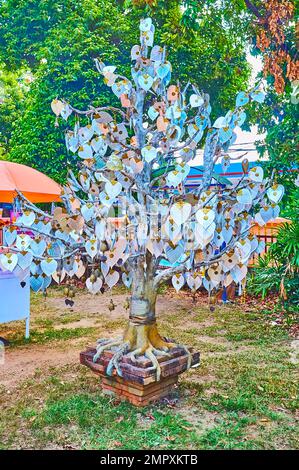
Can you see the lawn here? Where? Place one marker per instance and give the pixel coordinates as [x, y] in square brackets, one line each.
[243, 396]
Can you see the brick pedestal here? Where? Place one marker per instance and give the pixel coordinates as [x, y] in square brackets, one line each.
[138, 384]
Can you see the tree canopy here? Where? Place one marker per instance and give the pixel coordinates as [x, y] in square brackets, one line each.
[269, 26]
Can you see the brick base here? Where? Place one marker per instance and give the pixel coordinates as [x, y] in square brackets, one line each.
[138, 384]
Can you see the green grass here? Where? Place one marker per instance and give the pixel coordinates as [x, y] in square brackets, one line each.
[229, 434]
[47, 335]
[243, 396]
[104, 426]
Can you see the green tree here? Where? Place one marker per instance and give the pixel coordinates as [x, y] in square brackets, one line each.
[270, 28]
[59, 39]
[279, 120]
[59, 47]
[13, 88]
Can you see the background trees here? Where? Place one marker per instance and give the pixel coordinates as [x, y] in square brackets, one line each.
[268, 25]
[58, 40]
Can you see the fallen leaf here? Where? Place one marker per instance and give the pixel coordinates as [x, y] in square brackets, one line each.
[117, 444]
[69, 447]
[115, 402]
[187, 428]
[119, 419]
[149, 416]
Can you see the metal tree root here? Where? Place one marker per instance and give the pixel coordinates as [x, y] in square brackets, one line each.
[138, 340]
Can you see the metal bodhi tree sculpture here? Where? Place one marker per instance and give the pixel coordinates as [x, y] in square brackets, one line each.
[134, 165]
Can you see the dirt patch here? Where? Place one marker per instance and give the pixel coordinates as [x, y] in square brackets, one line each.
[193, 323]
[214, 340]
[201, 420]
[294, 354]
[88, 304]
[22, 363]
[228, 352]
[194, 377]
[82, 323]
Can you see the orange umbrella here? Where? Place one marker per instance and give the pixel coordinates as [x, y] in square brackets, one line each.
[35, 186]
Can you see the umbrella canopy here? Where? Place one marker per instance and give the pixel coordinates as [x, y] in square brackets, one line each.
[35, 186]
